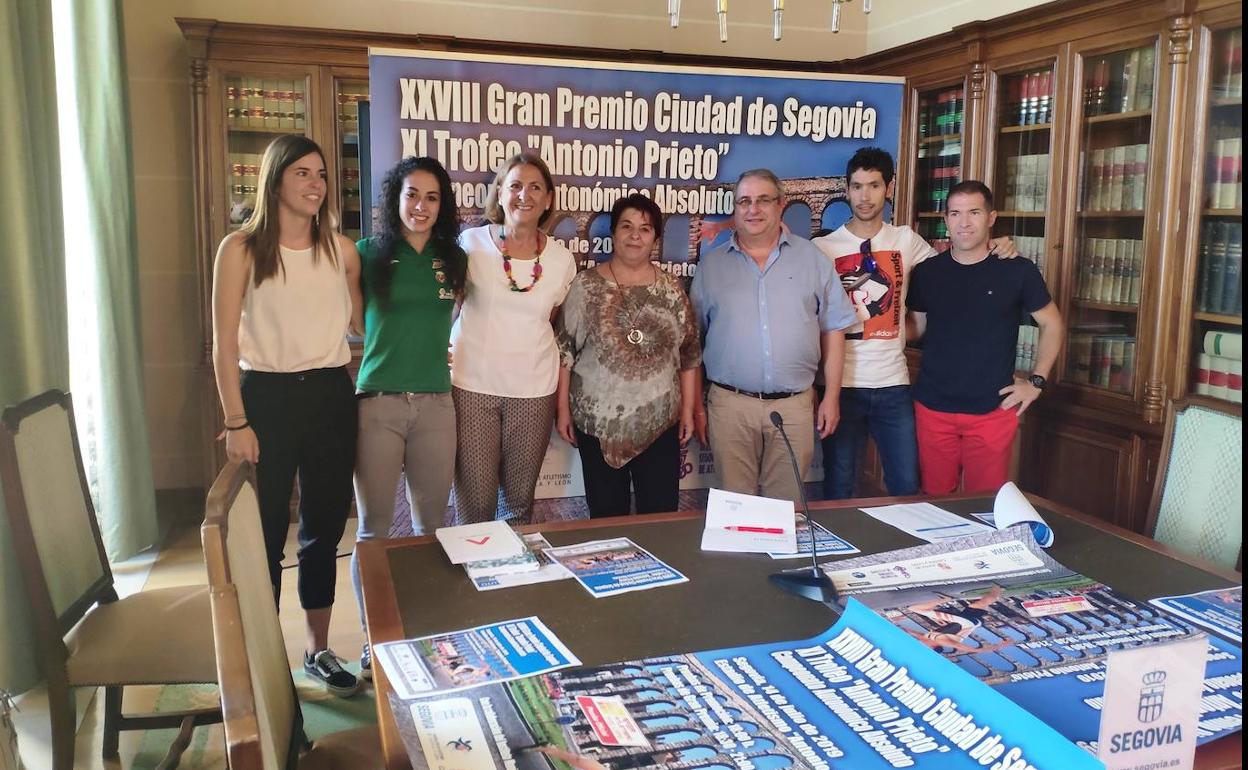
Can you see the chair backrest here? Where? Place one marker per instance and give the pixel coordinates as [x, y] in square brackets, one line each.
[55, 533]
[1198, 496]
[263, 724]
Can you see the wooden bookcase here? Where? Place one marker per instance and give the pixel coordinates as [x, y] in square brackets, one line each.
[1091, 443]
[1210, 296]
[1093, 439]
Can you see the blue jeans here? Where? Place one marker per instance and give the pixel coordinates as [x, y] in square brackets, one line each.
[888, 415]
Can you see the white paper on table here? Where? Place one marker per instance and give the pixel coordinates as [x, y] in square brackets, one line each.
[474, 542]
[926, 521]
[748, 524]
[1011, 508]
[1152, 704]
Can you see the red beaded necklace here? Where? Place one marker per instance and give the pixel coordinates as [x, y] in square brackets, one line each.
[537, 261]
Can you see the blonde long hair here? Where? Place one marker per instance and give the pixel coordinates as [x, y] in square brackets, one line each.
[261, 236]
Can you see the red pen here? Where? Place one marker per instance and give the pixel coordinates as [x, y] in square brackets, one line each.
[761, 530]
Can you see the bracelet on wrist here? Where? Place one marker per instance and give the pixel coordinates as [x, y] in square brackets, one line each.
[238, 427]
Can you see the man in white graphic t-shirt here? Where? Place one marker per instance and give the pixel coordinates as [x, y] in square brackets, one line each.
[874, 260]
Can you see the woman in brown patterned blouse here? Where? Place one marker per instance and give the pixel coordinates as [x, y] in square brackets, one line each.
[629, 355]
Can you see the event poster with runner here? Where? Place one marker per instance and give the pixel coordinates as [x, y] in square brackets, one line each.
[862, 695]
[1008, 614]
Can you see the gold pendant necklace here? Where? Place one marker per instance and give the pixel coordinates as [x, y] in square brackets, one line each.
[635, 335]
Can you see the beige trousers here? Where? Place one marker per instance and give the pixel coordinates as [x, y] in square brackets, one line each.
[749, 452]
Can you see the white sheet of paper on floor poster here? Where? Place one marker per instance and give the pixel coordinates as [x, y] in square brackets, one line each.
[926, 521]
[474, 542]
[609, 718]
[1012, 507]
[451, 736]
[1152, 704]
[741, 523]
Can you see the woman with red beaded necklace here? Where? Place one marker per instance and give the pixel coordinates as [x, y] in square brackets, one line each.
[506, 362]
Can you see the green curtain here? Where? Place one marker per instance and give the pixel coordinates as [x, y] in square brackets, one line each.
[122, 475]
[33, 334]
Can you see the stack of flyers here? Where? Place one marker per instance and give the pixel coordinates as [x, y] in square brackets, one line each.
[522, 562]
[546, 570]
[616, 566]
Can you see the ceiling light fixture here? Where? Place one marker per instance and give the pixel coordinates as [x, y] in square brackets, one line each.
[777, 16]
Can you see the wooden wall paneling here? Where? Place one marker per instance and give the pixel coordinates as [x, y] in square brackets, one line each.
[1085, 469]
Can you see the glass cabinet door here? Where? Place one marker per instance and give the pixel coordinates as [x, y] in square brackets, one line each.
[347, 98]
[939, 164]
[1218, 308]
[258, 109]
[1115, 143]
[1021, 175]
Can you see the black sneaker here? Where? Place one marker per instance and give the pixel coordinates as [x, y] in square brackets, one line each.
[324, 666]
[366, 662]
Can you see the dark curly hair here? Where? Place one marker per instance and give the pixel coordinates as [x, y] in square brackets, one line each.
[444, 238]
[642, 204]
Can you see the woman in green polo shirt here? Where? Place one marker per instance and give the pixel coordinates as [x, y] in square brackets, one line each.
[413, 273]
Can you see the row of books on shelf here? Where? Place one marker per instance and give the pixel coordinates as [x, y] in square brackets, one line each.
[1224, 185]
[1026, 183]
[1102, 360]
[1111, 270]
[1031, 247]
[1219, 367]
[938, 171]
[942, 115]
[244, 178]
[1029, 99]
[351, 183]
[349, 112]
[267, 104]
[1119, 82]
[1219, 287]
[1228, 68]
[1025, 353]
[1116, 178]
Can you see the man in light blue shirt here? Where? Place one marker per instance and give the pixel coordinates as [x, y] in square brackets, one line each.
[772, 313]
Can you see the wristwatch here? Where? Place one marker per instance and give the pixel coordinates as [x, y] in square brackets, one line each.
[1038, 381]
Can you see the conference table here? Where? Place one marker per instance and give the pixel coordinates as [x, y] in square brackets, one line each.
[412, 590]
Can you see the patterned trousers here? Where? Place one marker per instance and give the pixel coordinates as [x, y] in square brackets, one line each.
[502, 442]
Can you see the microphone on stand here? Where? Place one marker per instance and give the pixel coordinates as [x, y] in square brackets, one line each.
[812, 584]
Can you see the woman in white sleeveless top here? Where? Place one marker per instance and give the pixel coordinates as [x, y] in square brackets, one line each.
[506, 364]
[285, 291]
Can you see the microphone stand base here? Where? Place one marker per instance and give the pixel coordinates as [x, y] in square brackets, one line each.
[808, 584]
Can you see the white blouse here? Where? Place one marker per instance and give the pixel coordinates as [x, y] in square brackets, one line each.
[503, 342]
[297, 319]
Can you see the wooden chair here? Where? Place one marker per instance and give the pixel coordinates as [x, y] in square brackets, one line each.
[1198, 495]
[85, 636]
[263, 722]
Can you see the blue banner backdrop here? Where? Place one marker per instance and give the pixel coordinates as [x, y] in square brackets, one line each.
[681, 135]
